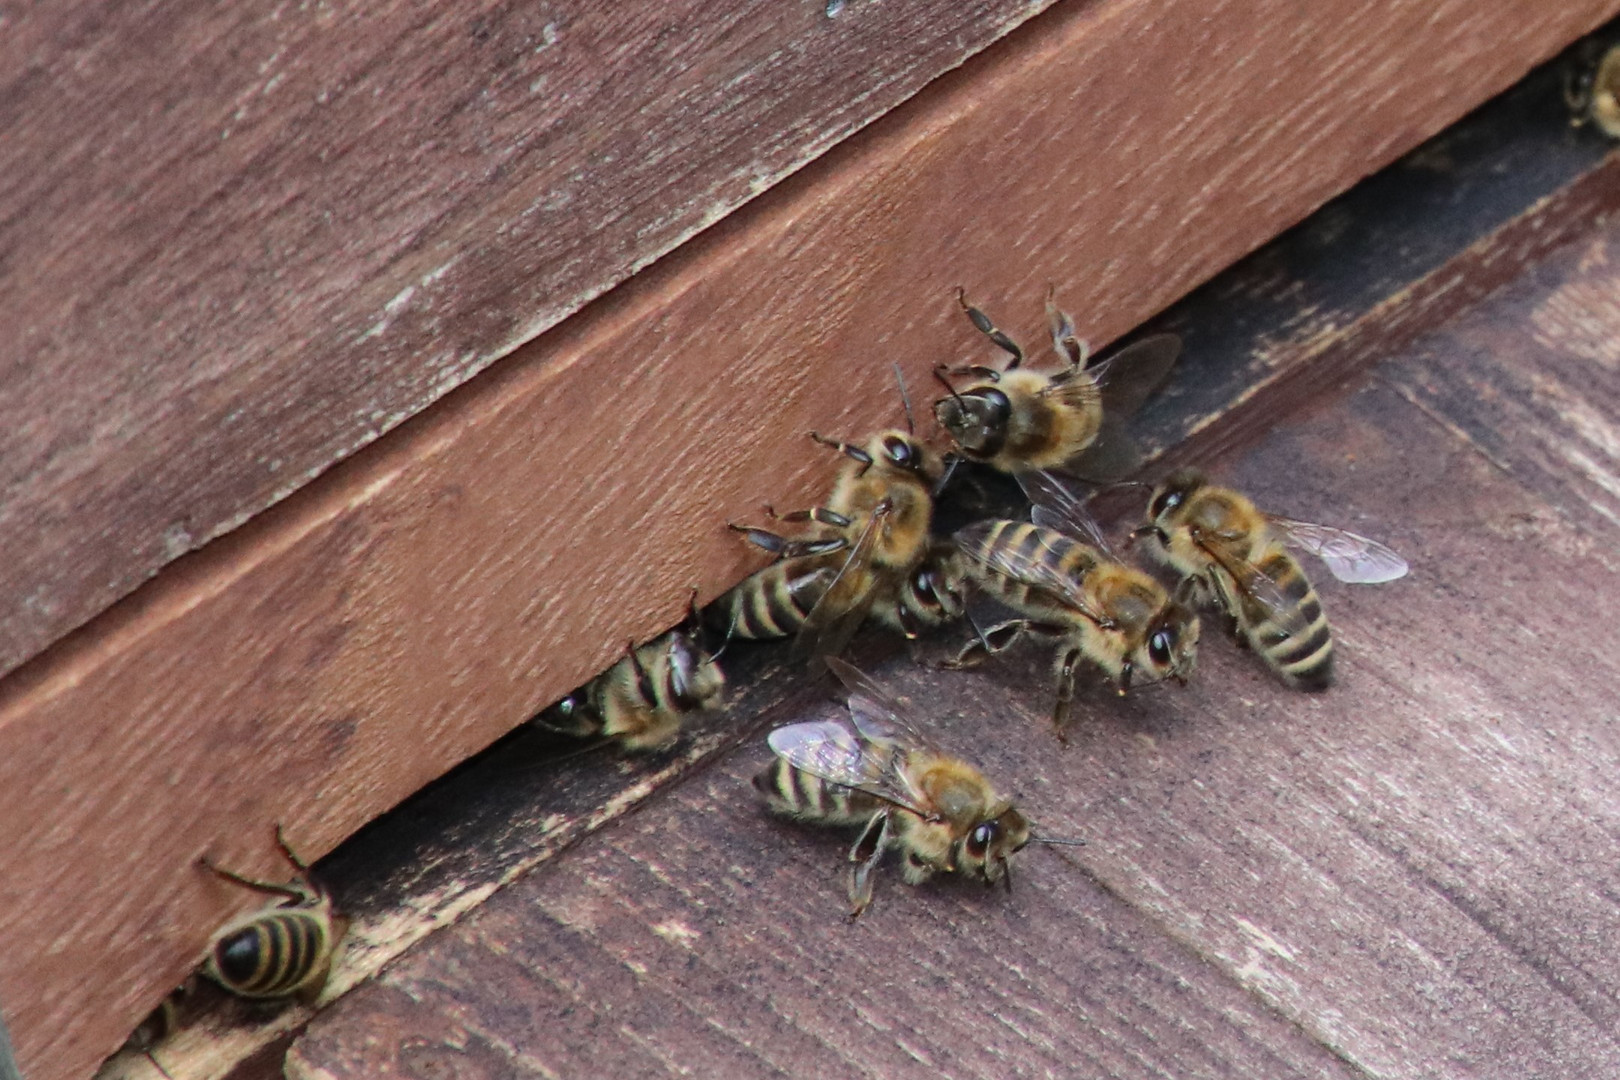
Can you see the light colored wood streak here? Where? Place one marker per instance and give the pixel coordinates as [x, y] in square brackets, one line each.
[319, 665]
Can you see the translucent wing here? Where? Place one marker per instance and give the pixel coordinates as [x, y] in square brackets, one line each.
[843, 607]
[835, 752]
[1128, 376]
[1349, 557]
[1035, 568]
[1054, 506]
[1113, 455]
[1258, 587]
[877, 715]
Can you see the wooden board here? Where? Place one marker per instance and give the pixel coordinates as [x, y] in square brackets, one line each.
[236, 245]
[1408, 876]
[318, 665]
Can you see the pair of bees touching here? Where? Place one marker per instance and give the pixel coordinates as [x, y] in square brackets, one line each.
[870, 553]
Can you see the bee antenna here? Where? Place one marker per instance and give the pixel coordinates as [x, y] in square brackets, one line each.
[951, 462]
[905, 399]
[939, 373]
[1057, 841]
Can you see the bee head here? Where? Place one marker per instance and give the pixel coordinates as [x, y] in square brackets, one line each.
[901, 452]
[977, 419]
[572, 715]
[1173, 493]
[1170, 648]
[985, 851]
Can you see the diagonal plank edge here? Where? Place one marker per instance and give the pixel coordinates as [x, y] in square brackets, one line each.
[324, 662]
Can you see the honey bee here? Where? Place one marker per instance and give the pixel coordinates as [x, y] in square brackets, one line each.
[1016, 420]
[1592, 91]
[1217, 538]
[1056, 571]
[879, 771]
[642, 699]
[875, 531]
[282, 949]
[775, 602]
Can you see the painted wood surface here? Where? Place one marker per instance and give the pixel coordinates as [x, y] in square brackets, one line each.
[1408, 876]
[318, 665]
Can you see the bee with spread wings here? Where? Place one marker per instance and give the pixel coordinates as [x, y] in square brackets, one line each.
[878, 770]
[1015, 419]
[1056, 571]
[1216, 537]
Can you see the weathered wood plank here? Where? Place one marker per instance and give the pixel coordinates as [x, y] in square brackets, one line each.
[325, 661]
[235, 244]
[1413, 869]
[702, 938]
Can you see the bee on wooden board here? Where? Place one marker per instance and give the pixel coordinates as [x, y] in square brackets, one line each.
[642, 700]
[1073, 419]
[875, 530]
[876, 769]
[281, 950]
[1218, 539]
[1592, 90]
[1056, 571]
[776, 601]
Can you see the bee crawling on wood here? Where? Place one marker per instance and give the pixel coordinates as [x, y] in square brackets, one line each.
[642, 699]
[877, 770]
[1073, 419]
[1592, 89]
[281, 950]
[869, 551]
[1058, 574]
[1216, 538]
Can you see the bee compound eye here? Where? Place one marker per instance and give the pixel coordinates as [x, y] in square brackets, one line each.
[898, 451]
[1165, 503]
[980, 839]
[1159, 648]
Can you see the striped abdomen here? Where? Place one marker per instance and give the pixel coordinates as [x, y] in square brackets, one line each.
[773, 602]
[1027, 567]
[1302, 653]
[799, 794]
[277, 953]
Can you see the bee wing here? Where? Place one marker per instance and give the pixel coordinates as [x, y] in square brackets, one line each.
[1128, 376]
[1258, 587]
[842, 608]
[877, 715]
[1054, 506]
[1348, 556]
[835, 752]
[1027, 568]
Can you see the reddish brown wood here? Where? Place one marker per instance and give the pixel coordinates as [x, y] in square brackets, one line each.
[237, 243]
[1411, 874]
[319, 665]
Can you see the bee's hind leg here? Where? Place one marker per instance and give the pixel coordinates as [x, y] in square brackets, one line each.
[866, 854]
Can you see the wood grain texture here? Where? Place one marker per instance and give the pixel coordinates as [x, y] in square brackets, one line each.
[237, 244]
[319, 665]
[1411, 873]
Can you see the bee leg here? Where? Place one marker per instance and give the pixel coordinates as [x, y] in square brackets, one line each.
[986, 643]
[644, 682]
[849, 450]
[981, 322]
[1229, 604]
[819, 514]
[1067, 343]
[784, 548]
[1065, 693]
[292, 892]
[866, 853]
